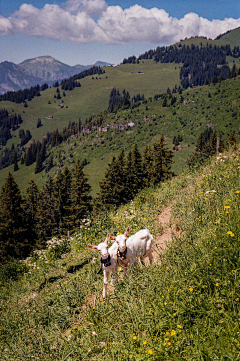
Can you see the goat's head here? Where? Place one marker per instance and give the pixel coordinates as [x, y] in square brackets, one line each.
[102, 247]
[121, 240]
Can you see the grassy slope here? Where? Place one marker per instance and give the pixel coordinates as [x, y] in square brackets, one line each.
[202, 107]
[93, 96]
[187, 308]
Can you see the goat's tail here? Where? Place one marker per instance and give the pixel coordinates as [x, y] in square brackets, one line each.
[149, 242]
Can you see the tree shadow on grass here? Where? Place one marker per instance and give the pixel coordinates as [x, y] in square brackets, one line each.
[70, 269]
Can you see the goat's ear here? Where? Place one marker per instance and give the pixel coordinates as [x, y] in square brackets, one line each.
[113, 238]
[108, 238]
[127, 231]
[92, 247]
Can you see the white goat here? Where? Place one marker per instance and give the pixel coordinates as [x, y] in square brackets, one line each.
[133, 247]
[108, 261]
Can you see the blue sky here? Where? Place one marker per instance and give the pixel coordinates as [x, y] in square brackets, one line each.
[85, 31]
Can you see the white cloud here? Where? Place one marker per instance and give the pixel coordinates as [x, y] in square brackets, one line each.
[5, 26]
[85, 21]
[92, 7]
[56, 23]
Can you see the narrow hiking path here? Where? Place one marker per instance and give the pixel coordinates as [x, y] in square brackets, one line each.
[159, 246]
[160, 242]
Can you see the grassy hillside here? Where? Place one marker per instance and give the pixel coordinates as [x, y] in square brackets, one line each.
[199, 108]
[93, 96]
[184, 308]
[202, 107]
[232, 37]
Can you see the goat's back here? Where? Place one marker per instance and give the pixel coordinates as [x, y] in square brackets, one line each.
[140, 242]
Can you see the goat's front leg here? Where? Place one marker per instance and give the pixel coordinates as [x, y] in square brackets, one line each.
[114, 277]
[105, 282]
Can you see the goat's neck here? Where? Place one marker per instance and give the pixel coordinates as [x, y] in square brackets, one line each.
[105, 257]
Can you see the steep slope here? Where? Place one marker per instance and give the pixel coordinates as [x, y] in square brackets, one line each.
[194, 111]
[185, 307]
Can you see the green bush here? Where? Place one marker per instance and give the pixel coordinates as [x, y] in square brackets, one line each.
[12, 270]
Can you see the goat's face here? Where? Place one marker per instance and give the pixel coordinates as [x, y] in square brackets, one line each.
[102, 247]
[121, 240]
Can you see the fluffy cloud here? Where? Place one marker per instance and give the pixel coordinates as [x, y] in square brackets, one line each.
[5, 26]
[55, 23]
[85, 21]
[92, 7]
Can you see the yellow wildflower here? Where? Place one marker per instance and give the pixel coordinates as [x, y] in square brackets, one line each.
[134, 337]
[173, 333]
[191, 289]
[179, 326]
[217, 284]
[144, 342]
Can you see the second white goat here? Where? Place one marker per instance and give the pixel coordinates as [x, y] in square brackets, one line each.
[136, 246]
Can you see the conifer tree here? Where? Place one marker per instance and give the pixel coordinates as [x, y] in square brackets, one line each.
[134, 172]
[38, 167]
[80, 197]
[148, 166]
[15, 162]
[113, 186]
[213, 143]
[162, 160]
[13, 242]
[62, 197]
[31, 205]
[231, 140]
[46, 225]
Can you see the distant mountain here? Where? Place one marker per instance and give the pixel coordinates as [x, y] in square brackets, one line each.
[43, 69]
[13, 78]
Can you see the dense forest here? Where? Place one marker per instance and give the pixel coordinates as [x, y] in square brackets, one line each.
[27, 222]
[8, 123]
[199, 62]
[123, 100]
[21, 96]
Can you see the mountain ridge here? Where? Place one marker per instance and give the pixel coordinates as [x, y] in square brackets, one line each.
[39, 70]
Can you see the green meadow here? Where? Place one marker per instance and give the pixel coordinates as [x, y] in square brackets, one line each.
[185, 307]
[93, 95]
[194, 110]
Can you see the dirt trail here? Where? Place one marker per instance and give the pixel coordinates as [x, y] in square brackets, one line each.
[160, 243]
[166, 236]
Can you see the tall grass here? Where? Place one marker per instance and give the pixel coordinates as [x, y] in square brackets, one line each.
[185, 308]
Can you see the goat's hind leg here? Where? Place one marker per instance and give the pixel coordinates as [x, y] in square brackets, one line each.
[150, 256]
